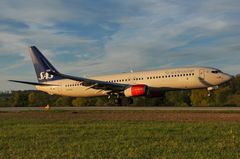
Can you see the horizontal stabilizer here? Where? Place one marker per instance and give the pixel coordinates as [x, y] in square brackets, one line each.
[32, 83]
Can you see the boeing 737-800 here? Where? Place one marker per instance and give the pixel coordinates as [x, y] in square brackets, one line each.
[147, 83]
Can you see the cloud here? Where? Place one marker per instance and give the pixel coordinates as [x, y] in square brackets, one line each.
[42, 13]
[91, 37]
[159, 36]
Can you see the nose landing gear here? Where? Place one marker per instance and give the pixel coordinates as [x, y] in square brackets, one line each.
[209, 94]
[210, 89]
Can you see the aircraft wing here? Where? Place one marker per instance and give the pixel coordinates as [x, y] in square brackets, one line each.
[95, 84]
[32, 83]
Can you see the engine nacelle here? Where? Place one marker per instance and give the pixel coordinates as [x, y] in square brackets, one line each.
[136, 90]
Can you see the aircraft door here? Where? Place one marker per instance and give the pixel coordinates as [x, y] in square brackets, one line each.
[202, 73]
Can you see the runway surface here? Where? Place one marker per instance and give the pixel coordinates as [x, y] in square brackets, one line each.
[122, 108]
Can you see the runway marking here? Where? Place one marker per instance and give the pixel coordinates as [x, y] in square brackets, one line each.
[12, 109]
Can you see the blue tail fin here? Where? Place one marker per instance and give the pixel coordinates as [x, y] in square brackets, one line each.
[42, 66]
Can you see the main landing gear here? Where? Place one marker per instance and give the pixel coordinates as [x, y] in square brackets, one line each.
[130, 101]
[123, 101]
[118, 101]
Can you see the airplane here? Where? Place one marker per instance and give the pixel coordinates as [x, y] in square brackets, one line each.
[146, 83]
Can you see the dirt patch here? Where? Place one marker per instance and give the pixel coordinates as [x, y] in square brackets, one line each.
[182, 116]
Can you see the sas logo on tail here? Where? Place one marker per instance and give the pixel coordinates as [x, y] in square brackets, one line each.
[45, 76]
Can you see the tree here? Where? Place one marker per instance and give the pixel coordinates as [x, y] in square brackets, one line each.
[6, 99]
[221, 96]
[32, 99]
[235, 85]
[20, 99]
[178, 98]
[2, 102]
[199, 98]
[63, 101]
[101, 101]
[80, 102]
[233, 100]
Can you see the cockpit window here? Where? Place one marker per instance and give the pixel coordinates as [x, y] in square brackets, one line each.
[216, 71]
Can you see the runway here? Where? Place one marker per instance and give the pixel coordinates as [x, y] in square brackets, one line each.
[122, 108]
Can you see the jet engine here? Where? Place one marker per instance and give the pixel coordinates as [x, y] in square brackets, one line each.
[136, 90]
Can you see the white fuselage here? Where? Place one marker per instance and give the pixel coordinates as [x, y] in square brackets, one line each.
[163, 79]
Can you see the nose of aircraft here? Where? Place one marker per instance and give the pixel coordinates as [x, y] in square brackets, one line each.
[226, 77]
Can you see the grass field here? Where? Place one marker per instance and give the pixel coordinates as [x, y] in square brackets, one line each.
[75, 135]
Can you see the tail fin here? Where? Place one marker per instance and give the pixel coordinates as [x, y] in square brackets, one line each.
[42, 66]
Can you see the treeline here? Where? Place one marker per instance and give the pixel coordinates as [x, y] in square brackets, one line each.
[226, 95]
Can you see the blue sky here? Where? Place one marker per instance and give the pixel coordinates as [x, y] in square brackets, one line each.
[92, 37]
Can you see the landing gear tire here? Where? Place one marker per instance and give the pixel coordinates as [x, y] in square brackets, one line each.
[130, 101]
[209, 93]
[118, 101]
